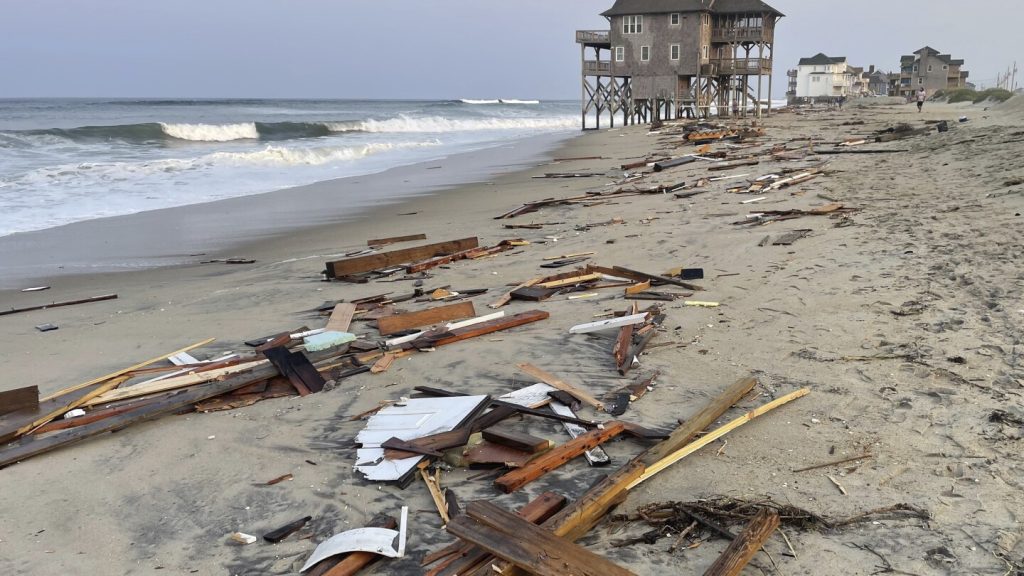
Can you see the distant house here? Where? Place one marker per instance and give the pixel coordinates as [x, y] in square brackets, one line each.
[825, 77]
[929, 69]
[663, 58]
[877, 81]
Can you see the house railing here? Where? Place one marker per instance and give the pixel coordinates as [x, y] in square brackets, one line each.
[743, 33]
[597, 67]
[593, 36]
[742, 65]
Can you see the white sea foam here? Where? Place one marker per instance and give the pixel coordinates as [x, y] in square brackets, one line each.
[435, 124]
[211, 132]
[514, 101]
[472, 101]
[288, 156]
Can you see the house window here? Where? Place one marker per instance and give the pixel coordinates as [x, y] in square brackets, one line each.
[673, 52]
[705, 51]
[929, 67]
[633, 25]
[645, 53]
[920, 80]
[915, 67]
[815, 78]
[620, 53]
[673, 19]
[945, 67]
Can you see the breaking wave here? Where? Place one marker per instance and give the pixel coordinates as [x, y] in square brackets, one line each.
[435, 124]
[471, 101]
[211, 132]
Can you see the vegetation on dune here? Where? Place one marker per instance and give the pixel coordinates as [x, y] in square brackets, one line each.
[970, 95]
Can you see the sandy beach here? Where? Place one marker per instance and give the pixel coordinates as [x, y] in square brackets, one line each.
[903, 317]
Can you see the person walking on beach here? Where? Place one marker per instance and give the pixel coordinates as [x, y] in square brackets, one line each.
[920, 99]
[842, 100]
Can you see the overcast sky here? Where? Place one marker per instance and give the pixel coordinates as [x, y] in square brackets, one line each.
[424, 48]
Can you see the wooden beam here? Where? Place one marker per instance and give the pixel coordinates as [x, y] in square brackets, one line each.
[297, 368]
[395, 239]
[395, 257]
[460, 334]
[558, 456]
[528, 546]
[552, 380]
[398, 323]
[168, 384]
[637, 275]
[746, 544]
[26, 398]
[508, 297]
[58, 304]
[692, 447]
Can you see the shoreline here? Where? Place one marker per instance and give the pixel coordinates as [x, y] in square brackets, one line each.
[186, 235]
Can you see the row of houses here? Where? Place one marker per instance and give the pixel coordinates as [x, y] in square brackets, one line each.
[823, 77]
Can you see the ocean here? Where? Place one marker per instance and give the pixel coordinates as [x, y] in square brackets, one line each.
[69, 160]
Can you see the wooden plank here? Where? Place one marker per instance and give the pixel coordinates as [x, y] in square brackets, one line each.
[692, 447]
[596, 456]
[558, 456]
[124, 370]
[58, 304]
[517, 440]
[19, 399]
[571, 281]
[395, 239]
[460, 334]
[508, 297]
[609, 324]
[533, 293]
[637, 275]
[490, 454]
[746, 544]
[341, 317]
[400, 322]
[434, 487]
[275, 536]
[297, 368]
[552, 380]
[528, 546]
[395, 257]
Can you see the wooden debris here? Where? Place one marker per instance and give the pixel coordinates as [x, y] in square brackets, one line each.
[533, 293]
[371, 262]
[552, 380]
[526, 545]
[517, 440]
[460, 334]
[275, 536]
[790, 237]
[383, 363]
[58, 304]
[596, 456]
[19, 399]
[743, 548]
[352, 562]
[863, 456]
[297, 368]
[434, 487]
[400, 322]
[395, 239]
[608, 324]
[558, 456]
[490, 454]
[279, 479]
[341, 317]
[508, 297]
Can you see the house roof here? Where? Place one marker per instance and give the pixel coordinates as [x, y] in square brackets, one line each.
[820, 58]
[627, 7]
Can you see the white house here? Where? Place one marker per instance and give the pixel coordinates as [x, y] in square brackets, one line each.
[824, 76]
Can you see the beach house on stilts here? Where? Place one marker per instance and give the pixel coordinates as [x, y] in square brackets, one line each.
[665, 59]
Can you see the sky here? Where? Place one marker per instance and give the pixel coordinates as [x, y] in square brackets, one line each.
[424, 49]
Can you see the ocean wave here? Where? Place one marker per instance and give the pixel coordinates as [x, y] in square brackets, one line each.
[211, 132]
[435, 124]
[471, 101]
[514, 101]
[286, 156]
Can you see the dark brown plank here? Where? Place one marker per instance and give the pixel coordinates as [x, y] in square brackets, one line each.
[58, 304]
[19, 399]
[287, 530]
[374, 261]
[746, 544]
[517, 440]
[395, 239]
[297, 368]
[528, 546]
[558, 456]
[399, 322]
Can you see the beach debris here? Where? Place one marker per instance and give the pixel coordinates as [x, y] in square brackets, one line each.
[275, 536]
[608, 324]
[767, 216]
[46, 327]
[433, 483]
[325, 340]
[517, 440]
[242, 537]
[595, 456]
[701, 304]
[377, 242]
[556, 382]
[341, 317]
[297, 369]
[35, 288]
[525, 544]
[401, 322]
[558, 456]
[279, 479]
[342, 269]
[409, 420]
[746, 544]
[58, 304]
[234, 260]
[19, 399]
[380, 541]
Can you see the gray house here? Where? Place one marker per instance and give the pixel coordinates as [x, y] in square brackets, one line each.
[931, 70]
[664, 58]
